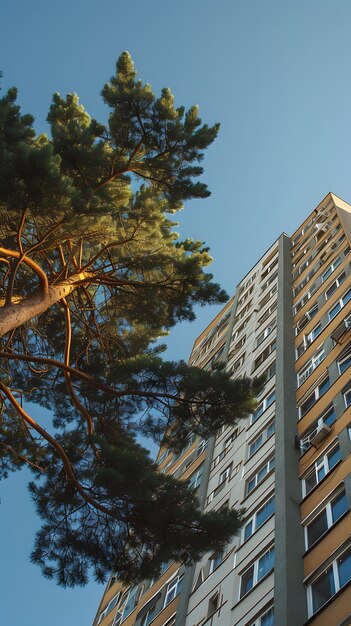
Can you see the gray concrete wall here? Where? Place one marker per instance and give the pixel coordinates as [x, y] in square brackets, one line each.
[289, 595]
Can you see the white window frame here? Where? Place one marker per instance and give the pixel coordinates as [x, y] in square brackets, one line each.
[336, 579]
[337, 282]
[265, 404]
[264, 435]
[310, 366]
[265, 333]
[256, 571]
[329, 517]
[269, 465]
[341, 303]
[225, 474]
[172, 589]
[253, 519]
[322, 463]
[317, 395]
[258, 620]
[109, 608]
[331, 269]
[195, 478]
[346, 357]
[347, 397]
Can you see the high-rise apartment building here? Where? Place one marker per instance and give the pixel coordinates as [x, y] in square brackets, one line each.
[288, 464]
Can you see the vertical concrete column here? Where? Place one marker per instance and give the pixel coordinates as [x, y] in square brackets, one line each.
[289, 593]
[188, 579]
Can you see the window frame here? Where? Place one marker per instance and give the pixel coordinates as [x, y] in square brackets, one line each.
[316, 393]
[265, 404]
[269, 465]
[330, 522]
[255, 568]
[333, 568]
[173, 584]
[321, 465]
[264, 435]
[253, 519]
[341, 303]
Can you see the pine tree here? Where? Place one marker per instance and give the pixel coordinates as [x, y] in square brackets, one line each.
[92, 274]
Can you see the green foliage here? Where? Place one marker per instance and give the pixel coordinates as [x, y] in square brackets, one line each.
[87, 235]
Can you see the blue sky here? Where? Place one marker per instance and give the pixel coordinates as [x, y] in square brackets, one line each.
[275, 73]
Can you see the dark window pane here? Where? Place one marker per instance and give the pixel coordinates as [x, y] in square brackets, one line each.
[344, 567]
[324, 386]
[265, 512]
[265, 564]
[248, 530]
[323, 589]
[310, 481]
[329, 418]
[268, 618]
[247, 581]
[345, 363]
[339, 506]
[317, 528]
[307, 405]
[333, 457]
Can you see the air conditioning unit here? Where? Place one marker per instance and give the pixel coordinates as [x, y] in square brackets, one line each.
[321, 433]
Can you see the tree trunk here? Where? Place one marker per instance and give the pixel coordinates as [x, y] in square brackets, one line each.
[17, 314]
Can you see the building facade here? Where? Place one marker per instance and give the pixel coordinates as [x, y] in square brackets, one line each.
[288, 464]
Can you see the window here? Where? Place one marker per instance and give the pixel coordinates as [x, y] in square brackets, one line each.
[162, 457]
[120, 610]
[226, 448]
[306, 317]
[239, 330]
[308, 339]
[321, 468]
[267, 313]
[269, 281]
[334, 286]
[259, 476]
[266, 402]
[305, 298]
[213, 604]
[238, 364]
[270, 371]
[173, 588]
[347, 397]
[256, 572]
[310, 366]
[267, 297]
[327, 584]
[331, 269]
[325, 519]
[202, 445]
[111, 605]
[258, 442]
[345, 361]
[339, 305]
[262, 336]
[149, 616]
[225, 474]
[264, 355]
[215, 560]
[195, 478]
[313, 397]
[269, 268]
[259, 518]
[266, 619]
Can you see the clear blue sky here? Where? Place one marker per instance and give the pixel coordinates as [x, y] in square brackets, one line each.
[275, 73]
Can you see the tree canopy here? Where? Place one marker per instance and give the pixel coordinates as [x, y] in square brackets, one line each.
[92, 274]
